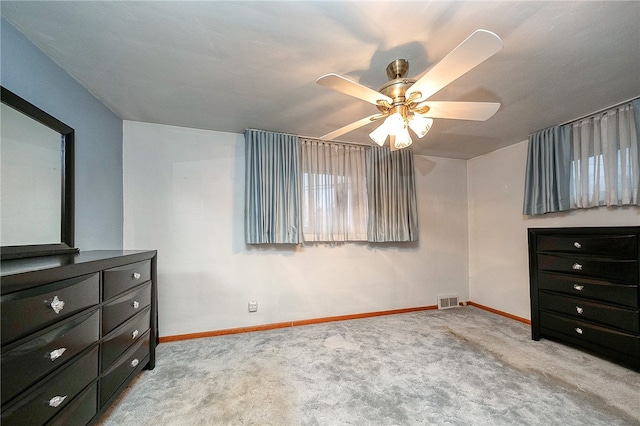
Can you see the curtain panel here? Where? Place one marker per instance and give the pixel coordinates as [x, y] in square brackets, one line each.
[272, 188]
[606, 170]
[635, 105]
[591, 162]
[334, 192]
[393, 213]
[305, 190]
[548, 173]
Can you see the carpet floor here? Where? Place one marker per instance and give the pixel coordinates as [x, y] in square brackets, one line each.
[462, 366]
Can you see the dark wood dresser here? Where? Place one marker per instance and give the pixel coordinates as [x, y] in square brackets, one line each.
[584, 289]
[76, 329]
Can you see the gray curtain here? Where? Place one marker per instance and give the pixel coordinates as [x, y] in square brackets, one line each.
[548, 175]
[636, 115]
[391, 195]
[272, 191]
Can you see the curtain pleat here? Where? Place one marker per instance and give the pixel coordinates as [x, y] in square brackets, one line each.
[548, 173]
[391, 195]
[635, 106]
[272, 202]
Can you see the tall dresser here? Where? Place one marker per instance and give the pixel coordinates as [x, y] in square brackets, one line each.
[76, 329]
[585, 289]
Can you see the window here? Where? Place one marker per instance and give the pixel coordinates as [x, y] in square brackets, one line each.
[299, 190]
[604, 168]
[588, 163]
[334, 194]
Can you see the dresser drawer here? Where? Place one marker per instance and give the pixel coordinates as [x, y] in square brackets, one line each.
[134, 358]
[119, 310]
[117, 342]
[615, 269]
[81, 410]
[624, 246]
[607, 315]
[30, 310]
[34, 359]
[117, 280]
[52, 397]
[581, 331]
[605, 291]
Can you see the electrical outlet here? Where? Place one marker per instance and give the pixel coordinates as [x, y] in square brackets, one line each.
[253, 306]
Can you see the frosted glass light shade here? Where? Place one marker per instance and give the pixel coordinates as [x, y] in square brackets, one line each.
[395, 126]
[403, 139]
[420, 125]
[395, 123]
[379, 135]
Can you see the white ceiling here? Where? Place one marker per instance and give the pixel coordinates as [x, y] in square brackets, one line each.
[233, 65]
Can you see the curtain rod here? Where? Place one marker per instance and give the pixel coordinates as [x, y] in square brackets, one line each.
[316, 139]
[599, 111]
[336, 141]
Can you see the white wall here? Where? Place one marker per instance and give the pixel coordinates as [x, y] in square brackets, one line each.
[184, 196]
[498, 262]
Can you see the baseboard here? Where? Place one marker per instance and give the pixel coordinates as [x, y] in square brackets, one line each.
[502, 313]
[325, 319]
[296, 323]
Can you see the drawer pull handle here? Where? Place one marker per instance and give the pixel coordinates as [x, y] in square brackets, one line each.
[577, 245]
[56, 353]
[136, 275]
[134, 334]
[57, 305]
[135, 304]
[57, 400]
[578, 287]
[576, 267]
[579, 309]
[578, 330]
[135, 362]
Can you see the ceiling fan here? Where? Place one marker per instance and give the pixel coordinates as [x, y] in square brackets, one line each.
[403, 102]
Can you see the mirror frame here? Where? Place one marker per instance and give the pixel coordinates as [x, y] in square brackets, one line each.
[67, 182]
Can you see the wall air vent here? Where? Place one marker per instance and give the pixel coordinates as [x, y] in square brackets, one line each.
[447, 302]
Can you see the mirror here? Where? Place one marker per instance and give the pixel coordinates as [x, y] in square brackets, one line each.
[36, 182]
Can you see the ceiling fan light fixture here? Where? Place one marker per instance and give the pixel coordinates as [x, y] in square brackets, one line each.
[395, 123]
[379, 135]
[396, 126]
[420, 125]
[403, 139]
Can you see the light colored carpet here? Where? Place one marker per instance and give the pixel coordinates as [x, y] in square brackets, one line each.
[461, 366]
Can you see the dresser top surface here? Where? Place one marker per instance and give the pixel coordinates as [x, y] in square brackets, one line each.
[18, 274]
[599, 230]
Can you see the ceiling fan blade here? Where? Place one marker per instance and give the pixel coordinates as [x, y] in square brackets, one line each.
[351, 88]
[476, 111]
[474, 50]
[350, 127]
